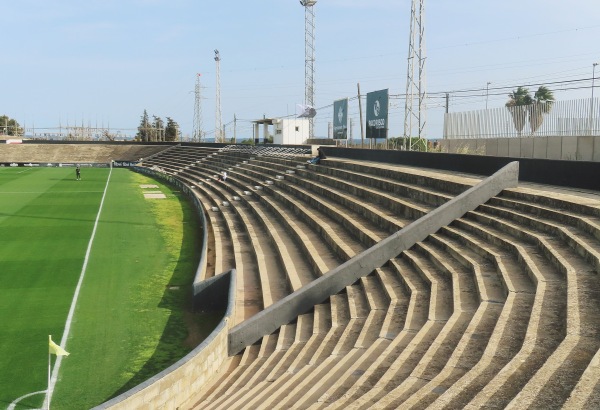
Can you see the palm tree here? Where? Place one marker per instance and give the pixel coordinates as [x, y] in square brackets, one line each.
[517, 106]
[541, 104]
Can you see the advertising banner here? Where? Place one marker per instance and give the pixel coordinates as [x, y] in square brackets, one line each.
[377, 114]
[340, 119]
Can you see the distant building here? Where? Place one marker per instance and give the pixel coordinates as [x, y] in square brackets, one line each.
[286, 131]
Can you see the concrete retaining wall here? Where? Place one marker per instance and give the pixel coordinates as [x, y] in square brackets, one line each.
[583, 148]
[178, 383]
[299, 302]
[175, 386]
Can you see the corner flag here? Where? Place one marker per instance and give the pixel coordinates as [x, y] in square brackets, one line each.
[56, 349]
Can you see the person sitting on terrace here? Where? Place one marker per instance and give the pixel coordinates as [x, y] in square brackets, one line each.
[318, 158]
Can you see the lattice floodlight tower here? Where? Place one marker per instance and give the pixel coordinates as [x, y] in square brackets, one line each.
[309, 53]
[198, 133]
[218, 122]
[414, 118]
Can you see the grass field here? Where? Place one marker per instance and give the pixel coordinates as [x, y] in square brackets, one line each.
[132, 318]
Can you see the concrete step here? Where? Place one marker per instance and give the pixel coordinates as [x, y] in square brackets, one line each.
[352, 220]
[547, 325]
[248, 297]
[554, 382]
[586, 394]
[304, 332]
[379, 355]
[409, 190]
[223, 376]
[462, 329]
[561, 201]
[407, 175]
[244, 373]
[441, 302]
[271, 245]
[297, 271]
[279, 377]
[584, 244]
[508, 333]
[486, 280]
[425, 384]
[343, 246]
[283, 388]
[326, 373]
[401, 364]
[380, 206]
[220, 256]
[241, 393]
[246, 359]
[430, 379]
[306, 239]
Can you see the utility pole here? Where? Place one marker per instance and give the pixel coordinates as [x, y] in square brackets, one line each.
[234, 129]
[447, 102]
[218, 122]
[197, 136]
[415, 87]
[592, 101]
[362, 129]
[487, 93]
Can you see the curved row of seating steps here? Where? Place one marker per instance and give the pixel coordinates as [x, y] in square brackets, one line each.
[500, 307]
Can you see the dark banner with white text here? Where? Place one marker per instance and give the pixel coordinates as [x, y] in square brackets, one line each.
[377, 114]
[340, 119]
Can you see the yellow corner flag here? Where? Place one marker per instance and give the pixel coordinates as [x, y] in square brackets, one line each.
[56, 349]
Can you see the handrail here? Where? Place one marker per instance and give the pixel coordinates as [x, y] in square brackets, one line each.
[319, 290]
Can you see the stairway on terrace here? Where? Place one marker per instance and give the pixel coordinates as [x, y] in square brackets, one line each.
[497, 309]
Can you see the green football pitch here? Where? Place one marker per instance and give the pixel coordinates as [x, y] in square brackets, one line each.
[135, 259]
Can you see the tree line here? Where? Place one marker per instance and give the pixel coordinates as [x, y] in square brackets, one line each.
[10, 126]
[156, 130]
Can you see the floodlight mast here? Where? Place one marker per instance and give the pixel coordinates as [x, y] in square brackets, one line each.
[309, 53]
[218, 122]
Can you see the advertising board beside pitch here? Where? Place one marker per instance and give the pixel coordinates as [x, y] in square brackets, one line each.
[340, 119]
[377, 114]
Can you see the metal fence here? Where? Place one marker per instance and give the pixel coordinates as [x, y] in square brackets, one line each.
[561, 118]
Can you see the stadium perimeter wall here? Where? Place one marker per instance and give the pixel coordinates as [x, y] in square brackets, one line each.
[301, 301]
[573, 174]
[581, 148]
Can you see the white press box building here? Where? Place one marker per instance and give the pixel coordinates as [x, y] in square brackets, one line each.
[286, 131]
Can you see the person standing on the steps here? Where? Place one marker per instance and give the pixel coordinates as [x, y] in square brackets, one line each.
[78, 172]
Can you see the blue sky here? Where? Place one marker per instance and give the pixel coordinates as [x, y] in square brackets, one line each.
[105, 61]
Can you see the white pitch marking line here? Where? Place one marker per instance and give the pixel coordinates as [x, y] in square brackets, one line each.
[46, 192]
[63, 341]
[13, 405]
